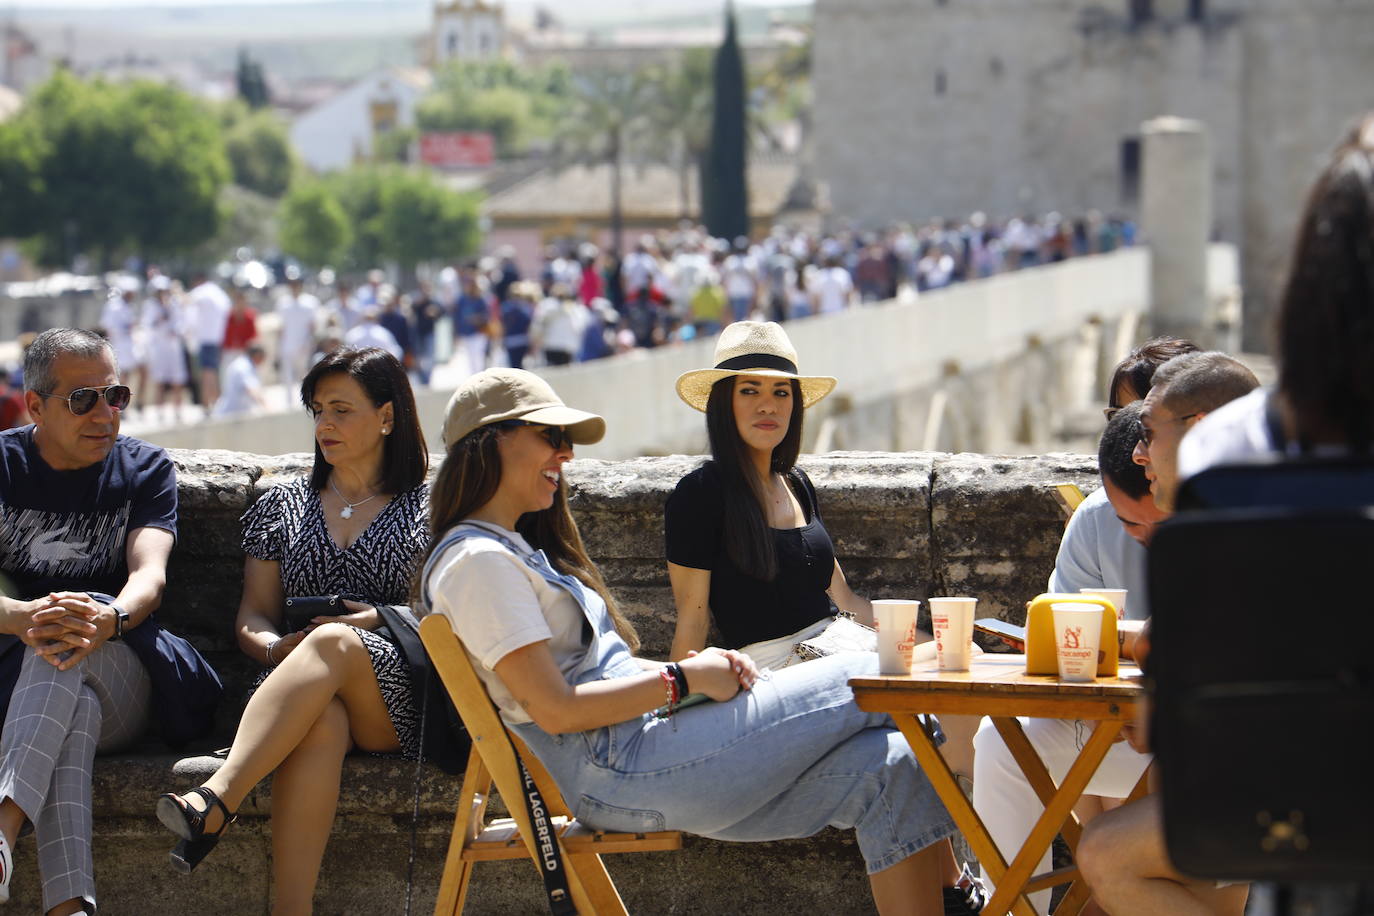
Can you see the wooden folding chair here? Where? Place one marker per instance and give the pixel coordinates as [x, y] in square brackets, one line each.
[495, 757]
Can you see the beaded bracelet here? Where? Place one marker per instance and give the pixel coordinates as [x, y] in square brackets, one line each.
[681, 677]
[670, 691]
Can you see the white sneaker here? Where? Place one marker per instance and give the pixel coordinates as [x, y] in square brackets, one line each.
[6, 868]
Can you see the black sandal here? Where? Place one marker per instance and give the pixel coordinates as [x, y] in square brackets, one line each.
[189, 824]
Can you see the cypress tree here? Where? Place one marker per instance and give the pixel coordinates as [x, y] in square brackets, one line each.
[724, 192]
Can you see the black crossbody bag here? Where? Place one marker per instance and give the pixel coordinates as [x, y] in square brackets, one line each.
[444, 740]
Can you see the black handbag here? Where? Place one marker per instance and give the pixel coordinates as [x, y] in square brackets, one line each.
[444, 738]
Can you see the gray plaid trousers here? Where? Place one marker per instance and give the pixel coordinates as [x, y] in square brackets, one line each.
[57, 722]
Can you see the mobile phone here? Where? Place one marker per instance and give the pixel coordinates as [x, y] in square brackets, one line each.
[300, 611]
[1009, 633]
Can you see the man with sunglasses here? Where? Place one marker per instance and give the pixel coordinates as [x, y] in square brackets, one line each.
[87, 522]
[1185, 390]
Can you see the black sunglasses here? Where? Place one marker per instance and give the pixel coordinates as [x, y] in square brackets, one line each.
[83, 400]
[1147, 435]
[556, 436]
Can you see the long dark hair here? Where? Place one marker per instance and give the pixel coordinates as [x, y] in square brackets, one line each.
[405, 457]
[1326, 317]
[748, 539]
[1138, 368]
[468, 479]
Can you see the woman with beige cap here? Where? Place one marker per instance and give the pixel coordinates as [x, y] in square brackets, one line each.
[771, 758]
[746, 544]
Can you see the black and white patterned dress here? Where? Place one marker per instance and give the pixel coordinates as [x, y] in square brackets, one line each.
[286, 525]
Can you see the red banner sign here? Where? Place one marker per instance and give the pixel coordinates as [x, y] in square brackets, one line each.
[457, 150]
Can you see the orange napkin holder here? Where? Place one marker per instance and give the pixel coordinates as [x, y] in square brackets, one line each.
[1040, 654]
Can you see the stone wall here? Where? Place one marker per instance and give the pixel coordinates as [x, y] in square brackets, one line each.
[1039, 96]
[904, 524]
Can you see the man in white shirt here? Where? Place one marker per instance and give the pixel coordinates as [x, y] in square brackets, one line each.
[368, 333]
[298, 312]
[1103, 547]
[640, 269]
[740, 276]
[242, 387]
[210, 310]
[831, 288]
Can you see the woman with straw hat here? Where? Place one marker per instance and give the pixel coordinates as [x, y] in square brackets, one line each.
[746, 543]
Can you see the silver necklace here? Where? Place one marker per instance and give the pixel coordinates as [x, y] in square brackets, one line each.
[347, 510]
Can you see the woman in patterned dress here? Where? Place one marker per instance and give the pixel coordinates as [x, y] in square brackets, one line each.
[354, 528]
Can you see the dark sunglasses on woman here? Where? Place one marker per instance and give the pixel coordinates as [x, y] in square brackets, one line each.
[556, 436]
[82, 400]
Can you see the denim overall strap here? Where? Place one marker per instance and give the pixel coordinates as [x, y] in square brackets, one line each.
[607, 655]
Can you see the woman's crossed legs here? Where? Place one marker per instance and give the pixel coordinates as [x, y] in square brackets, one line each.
[318, 704]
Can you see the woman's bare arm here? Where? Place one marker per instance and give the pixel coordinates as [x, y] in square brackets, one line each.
[691, 595]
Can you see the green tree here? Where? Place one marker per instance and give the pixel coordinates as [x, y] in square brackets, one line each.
[135, 167]
[517, 105]
[402, 215]
[177, 170]
[606, 122]
[422, 220]
[313, 225]
[681, 118]
[22, 151]
[359, 190]
[260, 153]
[724, 187]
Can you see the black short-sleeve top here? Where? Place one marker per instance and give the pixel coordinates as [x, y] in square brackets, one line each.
[746, 609]
[286, 524]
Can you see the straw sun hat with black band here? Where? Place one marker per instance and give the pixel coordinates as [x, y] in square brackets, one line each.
[758, 348]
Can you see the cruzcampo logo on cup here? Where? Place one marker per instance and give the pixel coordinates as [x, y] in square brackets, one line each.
[951, 619]
[1077, 633]
[896, 620]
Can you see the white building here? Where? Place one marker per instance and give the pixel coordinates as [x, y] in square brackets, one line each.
[342, 129]
[467, 30]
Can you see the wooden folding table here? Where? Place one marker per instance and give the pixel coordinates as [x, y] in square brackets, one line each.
[997, 686]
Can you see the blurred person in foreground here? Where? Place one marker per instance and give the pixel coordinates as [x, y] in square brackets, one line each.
[1323, 403]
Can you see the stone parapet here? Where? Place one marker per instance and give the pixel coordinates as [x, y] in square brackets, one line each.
[904, 525]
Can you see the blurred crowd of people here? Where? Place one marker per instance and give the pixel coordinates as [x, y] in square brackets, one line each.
[205, 342]
[676, 285]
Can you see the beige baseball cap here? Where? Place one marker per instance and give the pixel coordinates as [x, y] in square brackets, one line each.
[494, 395]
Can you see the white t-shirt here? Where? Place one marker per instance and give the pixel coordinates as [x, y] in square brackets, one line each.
[240, 380]
[372, 334]
[297, 322]
[738, 276]
[559, 324]
[497, 604]
[211, 306]
[1096, 552]
[831, 286]
[1235, 431]
[639, 270]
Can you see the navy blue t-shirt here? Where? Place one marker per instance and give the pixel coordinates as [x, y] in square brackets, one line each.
[67, 530]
